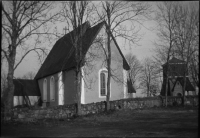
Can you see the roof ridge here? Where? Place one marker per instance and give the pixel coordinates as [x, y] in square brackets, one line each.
[62, 48]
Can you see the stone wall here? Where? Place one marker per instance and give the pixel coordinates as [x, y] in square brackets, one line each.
[57, 112]
[68, 111]
[177, 100]
[131, 103]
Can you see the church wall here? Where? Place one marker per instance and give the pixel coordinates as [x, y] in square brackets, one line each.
[92, 71]
[91, 77]
[69, 87]
[40, 82]
[117, 71]
[177, 89]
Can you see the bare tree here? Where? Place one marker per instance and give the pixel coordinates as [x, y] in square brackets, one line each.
[29, 75]
[194, 62]
[135, 68]
[117, 14]
[21, 21]
[187, 34]
[194, 68]
[75, 14]
[148, 77]
[165, 18]
[3, 82]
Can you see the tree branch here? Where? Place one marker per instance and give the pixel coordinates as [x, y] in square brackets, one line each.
[34, 49]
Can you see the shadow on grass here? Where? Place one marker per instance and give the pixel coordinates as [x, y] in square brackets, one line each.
[154, 122]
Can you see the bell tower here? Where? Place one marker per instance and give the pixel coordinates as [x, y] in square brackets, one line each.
[176, 71]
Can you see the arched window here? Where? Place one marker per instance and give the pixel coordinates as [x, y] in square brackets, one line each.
[45, 90]
[52, 89]
[103, 76]
[103, 84]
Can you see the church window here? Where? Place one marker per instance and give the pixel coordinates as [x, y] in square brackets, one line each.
[45, 90]
[52, 89]
[103, 83]
[103, 76]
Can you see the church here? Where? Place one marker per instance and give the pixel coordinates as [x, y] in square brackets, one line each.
[56, 76]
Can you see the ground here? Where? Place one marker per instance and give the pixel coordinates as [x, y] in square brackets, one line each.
[154, 122]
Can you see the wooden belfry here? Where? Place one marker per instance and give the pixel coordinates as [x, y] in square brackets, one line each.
[176, 71]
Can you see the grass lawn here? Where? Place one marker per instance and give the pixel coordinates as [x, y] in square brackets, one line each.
[154, 122]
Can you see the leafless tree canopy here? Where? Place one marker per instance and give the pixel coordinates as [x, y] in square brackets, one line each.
[187, 33]
[117, 15]
[178, 25]
[29, 75]
[21, 21]
[135, 69]
[149, 78]
[125, 18]
[178, 31]
[74, 14]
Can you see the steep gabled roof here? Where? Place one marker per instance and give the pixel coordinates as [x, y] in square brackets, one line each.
[131, 89]
[163, 89]
[125, 63]
[26, 87]
[62, 55]
[188, 87]
[174, 61]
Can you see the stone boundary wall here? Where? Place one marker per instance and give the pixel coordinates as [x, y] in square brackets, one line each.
[130, 103]
[177, 100]
[55, 112]
[68, 111]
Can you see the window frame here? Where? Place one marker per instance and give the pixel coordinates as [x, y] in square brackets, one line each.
[52, 88]
[103, 85]
[45, 90]
[105, 71]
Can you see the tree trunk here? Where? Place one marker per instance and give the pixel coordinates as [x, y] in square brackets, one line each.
[108, 84]
[10, 93]
[78, 75]
[166, 89]
[8, 96]
[26, 98]
[80, 59]
[184, 85]
[78, 89]
[78, 45]
[147, 91]
[109, 74]
[108, 60]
